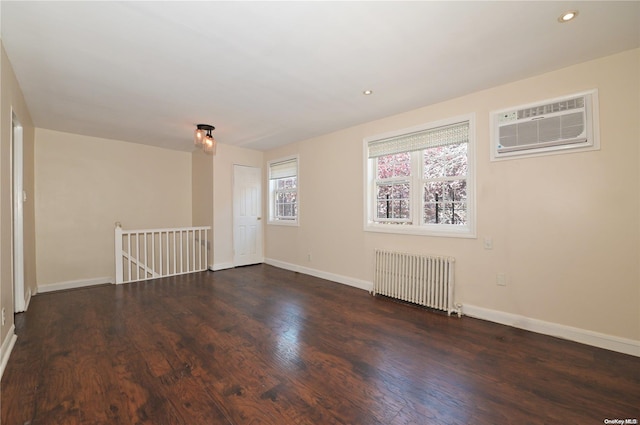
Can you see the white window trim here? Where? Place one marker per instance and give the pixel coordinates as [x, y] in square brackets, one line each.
[441, 230]
[271, 201]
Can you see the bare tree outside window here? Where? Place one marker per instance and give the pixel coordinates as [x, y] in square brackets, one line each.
[445, 184]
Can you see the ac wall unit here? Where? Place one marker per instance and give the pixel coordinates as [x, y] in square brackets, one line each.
[547, 127]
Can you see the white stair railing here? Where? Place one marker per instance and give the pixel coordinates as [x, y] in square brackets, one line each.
[153, 253]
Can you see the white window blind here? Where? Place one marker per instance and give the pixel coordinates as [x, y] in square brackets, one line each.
[433, 137]
[283, 169]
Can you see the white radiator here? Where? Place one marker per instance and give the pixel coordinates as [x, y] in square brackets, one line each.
[418, 279]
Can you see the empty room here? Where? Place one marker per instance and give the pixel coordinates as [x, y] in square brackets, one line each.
[310, 212]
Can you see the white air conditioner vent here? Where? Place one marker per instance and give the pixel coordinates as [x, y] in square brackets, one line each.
[545, 127]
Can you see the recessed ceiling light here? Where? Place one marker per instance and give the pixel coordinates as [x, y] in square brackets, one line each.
[567, 16]
[367, 92]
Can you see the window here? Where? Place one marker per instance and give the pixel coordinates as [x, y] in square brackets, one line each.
[420, 180]
[283, 191]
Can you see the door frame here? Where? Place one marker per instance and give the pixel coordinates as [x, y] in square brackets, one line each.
[17, 210]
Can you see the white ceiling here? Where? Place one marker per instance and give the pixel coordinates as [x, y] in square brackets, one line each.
[271, 73]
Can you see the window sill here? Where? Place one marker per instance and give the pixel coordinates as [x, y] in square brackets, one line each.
[290, 223]
[441, 231]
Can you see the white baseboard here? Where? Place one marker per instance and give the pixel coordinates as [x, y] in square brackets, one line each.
[583, 336]
[221, 266]
[72, 284]
[6, 348]
[345, 280]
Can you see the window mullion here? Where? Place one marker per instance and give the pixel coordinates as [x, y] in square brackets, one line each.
[392, 180]
[445, 179]
[416, 188]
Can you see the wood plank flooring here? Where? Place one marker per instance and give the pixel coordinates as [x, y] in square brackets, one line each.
[261, 345]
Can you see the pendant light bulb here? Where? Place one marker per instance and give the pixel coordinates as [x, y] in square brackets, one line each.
[198, 137]
[209, 145]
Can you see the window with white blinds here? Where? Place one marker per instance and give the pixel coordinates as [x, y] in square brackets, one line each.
[420, 140]
[421, 180]
[283, 169]
[283, 191]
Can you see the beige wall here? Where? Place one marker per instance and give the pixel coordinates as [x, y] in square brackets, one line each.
[202, 195]
[12, 100]
[226, 157]
[85, 184]
[565, 228]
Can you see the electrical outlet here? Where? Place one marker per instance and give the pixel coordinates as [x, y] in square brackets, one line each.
[501, 279]
[309, 257]
[488, 243]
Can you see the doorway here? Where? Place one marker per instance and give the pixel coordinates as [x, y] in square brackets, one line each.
[247, 215]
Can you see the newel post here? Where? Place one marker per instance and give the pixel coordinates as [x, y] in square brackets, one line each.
[118, 252]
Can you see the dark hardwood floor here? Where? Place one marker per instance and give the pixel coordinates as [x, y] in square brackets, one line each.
[261, 345]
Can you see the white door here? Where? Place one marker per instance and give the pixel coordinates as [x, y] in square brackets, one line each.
[18, 233]
[247, 215]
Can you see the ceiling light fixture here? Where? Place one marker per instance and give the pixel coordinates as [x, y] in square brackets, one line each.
[203, 138]
[567, 16]
[367, 92]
